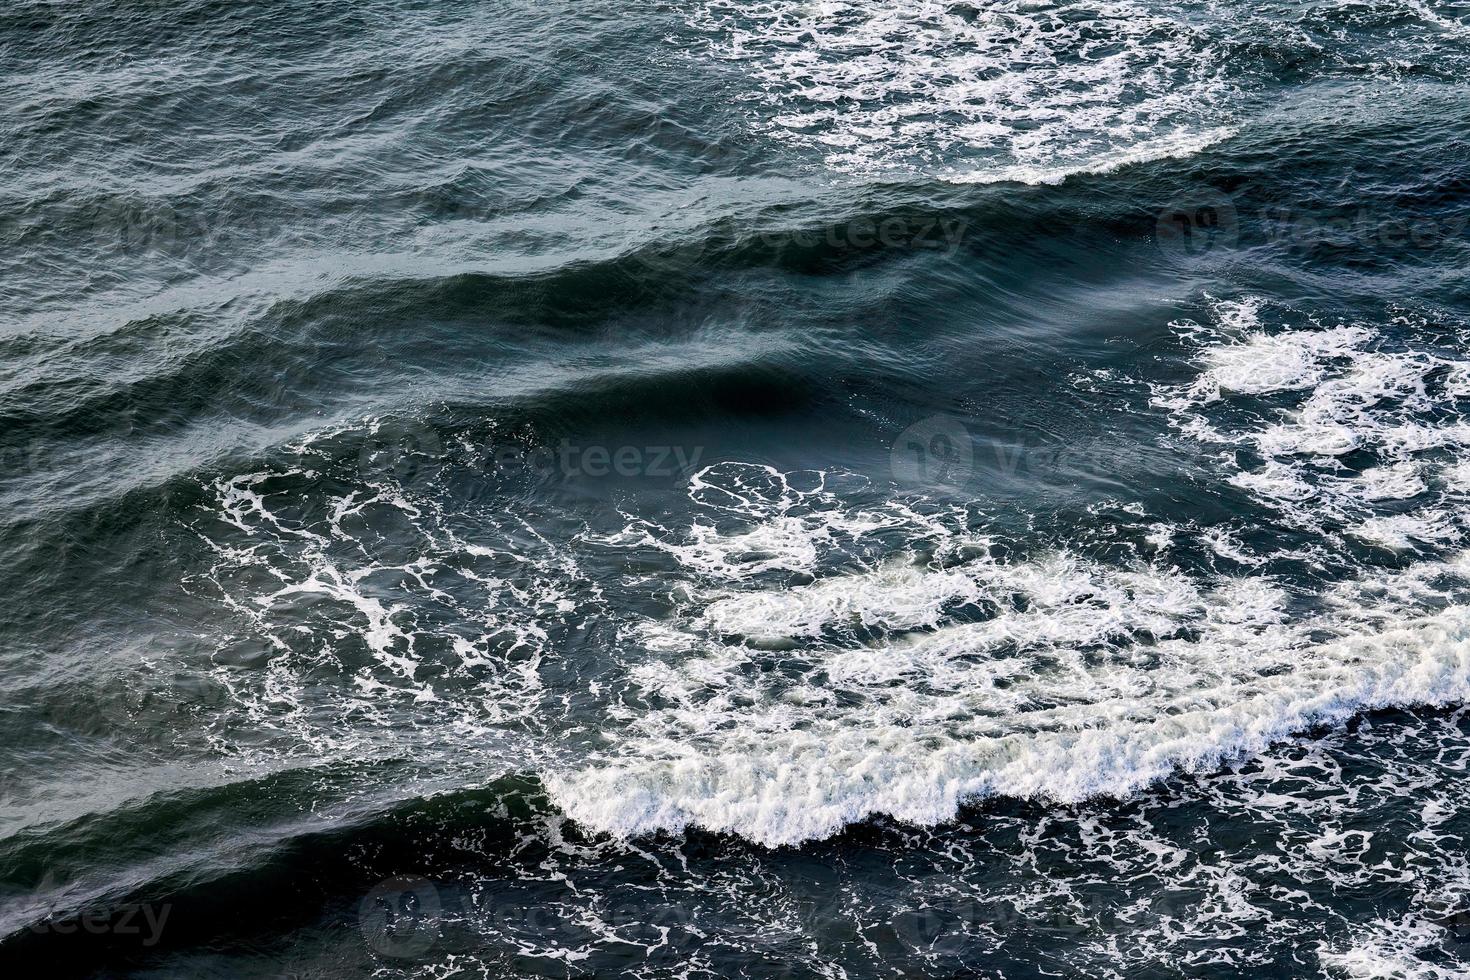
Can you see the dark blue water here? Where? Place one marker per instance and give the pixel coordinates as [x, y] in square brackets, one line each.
[734, 488]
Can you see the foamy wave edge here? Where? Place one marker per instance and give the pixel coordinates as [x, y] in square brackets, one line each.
[1174, 147]
[803, 798]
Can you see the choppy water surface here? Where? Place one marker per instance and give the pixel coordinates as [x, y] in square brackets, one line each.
[735, 488]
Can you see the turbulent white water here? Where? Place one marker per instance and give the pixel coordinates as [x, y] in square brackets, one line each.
[1005, 581]
[1030, 703]
[830, 653]
[977, 92]
[945, 673]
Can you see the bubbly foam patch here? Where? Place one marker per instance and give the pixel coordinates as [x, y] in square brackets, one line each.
[1242, 871]
[367, 610]
[1041, 703]
[977, 92]
[793, 652]
[1323, 392]
[905, 681]
[1387, 950]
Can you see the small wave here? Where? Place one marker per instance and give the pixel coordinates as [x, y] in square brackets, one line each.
[821, 650]
[781, 780]
[950, 673]
[1174, 147]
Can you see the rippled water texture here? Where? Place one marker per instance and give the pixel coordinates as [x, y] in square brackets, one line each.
[734, 488]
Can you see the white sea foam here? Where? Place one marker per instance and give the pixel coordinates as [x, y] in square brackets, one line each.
[824, 651]
[945, 672]
[987, 92]
[1402, 532]
[1399, 481]
[1388, 950]
[1173, 147]
[1065, 724]
[897, 597]
[1339, 391]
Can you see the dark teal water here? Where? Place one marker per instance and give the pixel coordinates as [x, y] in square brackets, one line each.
[734, 488]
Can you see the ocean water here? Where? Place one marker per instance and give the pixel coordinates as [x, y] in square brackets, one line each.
[734, 488]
